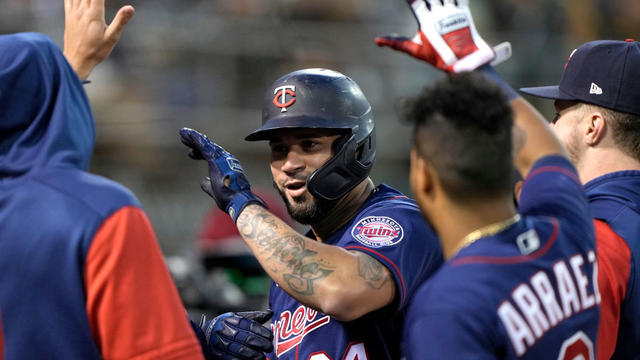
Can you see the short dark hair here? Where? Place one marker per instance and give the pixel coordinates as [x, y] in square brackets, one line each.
[625, 129]
[463, 125]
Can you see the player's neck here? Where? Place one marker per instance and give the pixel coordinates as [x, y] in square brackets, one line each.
[461, 219]
[344, 210]
[597, 162]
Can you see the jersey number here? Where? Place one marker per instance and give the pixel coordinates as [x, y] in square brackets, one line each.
[577, 347]
[355, 351]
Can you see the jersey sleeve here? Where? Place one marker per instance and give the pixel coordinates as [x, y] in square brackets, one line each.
[133, 306]
[552, 188]
[614, 261]
[399, 238]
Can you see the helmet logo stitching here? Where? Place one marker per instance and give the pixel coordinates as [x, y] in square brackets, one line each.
[281, 93]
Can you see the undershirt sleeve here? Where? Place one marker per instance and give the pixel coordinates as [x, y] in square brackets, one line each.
[133, 307]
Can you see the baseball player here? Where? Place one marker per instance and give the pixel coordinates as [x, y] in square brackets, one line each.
[598, 119]
[81, 273]
[517, 283]
[340, 290]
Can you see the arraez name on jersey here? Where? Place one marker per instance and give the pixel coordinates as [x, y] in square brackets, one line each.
[544, 305]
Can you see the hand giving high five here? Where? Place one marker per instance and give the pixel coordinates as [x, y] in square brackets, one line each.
[87, 38]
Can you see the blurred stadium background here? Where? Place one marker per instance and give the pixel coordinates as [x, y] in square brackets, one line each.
[205, 64]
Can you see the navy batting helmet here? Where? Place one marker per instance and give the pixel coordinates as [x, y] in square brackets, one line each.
[324, 99]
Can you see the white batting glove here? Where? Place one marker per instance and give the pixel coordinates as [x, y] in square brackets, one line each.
[447, 37]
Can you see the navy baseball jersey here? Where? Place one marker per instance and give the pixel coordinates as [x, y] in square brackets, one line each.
[615, 203]
[390, 228]
[527, 290]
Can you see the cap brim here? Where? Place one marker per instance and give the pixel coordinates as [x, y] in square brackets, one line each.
[294, 122]
[547, 92]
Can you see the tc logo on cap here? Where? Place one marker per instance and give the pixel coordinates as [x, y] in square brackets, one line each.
[281, 93]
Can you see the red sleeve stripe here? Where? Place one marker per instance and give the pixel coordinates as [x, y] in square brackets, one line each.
[399, 197]
[508, 260]
[395, 268]
[614, 264]
[557, 169]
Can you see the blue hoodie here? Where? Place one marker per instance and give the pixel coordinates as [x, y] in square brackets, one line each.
[615, 199]
[80, 268]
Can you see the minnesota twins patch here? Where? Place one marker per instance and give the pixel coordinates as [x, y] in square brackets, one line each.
[378, 231]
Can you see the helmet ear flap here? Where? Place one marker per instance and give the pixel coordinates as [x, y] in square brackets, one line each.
[366, 152]
[340, 173]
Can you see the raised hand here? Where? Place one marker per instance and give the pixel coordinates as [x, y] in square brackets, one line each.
[226, 183]
[87, 38]
[447, 37]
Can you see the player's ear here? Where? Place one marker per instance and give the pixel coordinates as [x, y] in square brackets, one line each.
[420, 176]
[595, 129]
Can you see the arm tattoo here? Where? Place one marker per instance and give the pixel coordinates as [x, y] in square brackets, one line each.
[371, 270]
[286, 247]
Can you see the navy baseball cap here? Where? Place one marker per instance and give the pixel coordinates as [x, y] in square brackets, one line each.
[604, 73]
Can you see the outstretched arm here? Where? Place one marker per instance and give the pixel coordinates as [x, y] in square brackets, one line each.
[87, 38]
[325, 277]
[447, 39]
[533, 137]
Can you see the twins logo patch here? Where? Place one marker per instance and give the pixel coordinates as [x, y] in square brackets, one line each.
[378, 231]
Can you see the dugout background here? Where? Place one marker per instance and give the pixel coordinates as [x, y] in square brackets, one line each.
[205, 64]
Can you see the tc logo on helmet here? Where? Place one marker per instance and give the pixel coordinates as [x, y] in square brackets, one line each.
[281, 93]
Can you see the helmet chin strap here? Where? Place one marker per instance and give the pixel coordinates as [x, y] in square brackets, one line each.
[340, 174]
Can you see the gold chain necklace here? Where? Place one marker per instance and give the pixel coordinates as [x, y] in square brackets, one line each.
[486, 231]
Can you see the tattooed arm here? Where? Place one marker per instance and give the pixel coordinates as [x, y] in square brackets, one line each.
[325, 277]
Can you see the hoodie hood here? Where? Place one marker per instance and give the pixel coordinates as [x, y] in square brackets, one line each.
[45, 117]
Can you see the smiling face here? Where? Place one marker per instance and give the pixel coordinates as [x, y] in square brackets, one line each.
[295, 155]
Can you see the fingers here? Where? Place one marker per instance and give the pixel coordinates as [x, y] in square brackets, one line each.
[114, 30]
[503, 53]
[203, 320]
[196, 141]
[259, 316]
[253, 341]
[435, 4]
[250, 328]
[400, 43]
[195, 154]
[239, 351]
[205, 185]
[247, 333]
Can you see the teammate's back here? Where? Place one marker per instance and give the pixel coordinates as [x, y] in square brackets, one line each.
[517, 283]
[81, 273]
[533, 280]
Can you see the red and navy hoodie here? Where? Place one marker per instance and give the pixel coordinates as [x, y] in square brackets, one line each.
[81, 272]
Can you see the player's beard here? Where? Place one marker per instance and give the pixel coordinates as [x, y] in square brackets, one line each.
[306, 209]
[572, 145]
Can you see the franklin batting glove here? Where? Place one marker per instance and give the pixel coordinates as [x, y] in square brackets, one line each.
[226, 183]
[232, 336]
[447, 37]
